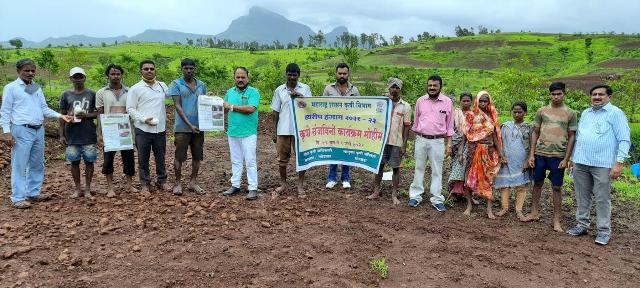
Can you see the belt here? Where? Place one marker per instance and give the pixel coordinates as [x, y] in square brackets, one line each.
[430, 136]
[34, 127]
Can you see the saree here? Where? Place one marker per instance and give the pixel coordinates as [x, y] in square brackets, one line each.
[479, 128]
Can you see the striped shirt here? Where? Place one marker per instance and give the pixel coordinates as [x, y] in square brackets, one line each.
[603, 137]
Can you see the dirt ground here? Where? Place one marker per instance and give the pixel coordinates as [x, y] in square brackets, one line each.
[325, 240]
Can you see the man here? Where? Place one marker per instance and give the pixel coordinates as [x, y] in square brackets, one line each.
[79, 136]
[21, 116]
[433, 122]
[342, 87]
[112, 99]
[397, 140]
[552, 140]
[602, 145]
[184, 92]
[242, 102]
[145, 104]
[283, 119]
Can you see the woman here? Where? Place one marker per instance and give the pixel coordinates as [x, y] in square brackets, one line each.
[482, 131]
[456, 177]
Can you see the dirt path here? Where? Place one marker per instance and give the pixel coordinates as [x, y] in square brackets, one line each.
[326, 240]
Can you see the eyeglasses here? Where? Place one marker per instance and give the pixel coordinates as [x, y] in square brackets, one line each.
[148, 69]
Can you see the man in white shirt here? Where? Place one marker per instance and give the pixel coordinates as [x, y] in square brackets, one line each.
[145, 104]
[284, 122]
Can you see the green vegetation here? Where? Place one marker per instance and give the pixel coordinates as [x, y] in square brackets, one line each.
[380, 267]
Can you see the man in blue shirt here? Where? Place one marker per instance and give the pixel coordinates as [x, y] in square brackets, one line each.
[602, 145]
[184, 92]
[21, 116]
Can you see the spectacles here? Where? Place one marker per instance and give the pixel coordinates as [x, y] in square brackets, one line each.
[148, 69]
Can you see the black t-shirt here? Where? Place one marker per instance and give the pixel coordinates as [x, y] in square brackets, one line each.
[84, 132]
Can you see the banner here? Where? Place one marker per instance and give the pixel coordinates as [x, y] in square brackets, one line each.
[116, 132]
[341, 130]
[210, 113]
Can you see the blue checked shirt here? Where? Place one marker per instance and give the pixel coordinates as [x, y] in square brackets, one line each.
[603, 137]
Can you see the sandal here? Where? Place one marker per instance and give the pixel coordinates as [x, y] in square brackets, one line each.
[24, 204]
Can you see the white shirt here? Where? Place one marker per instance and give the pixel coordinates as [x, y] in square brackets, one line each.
[20, 107]
[281, 103]
[144, 101]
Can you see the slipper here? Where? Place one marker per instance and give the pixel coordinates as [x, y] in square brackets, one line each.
[196, 188]
[177, 190]
[24, 204]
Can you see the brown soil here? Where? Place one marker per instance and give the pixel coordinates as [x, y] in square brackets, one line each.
[400, 50]
[621, 63]
[585, 82]
[629, 45]
[528, 43]
[324, 240]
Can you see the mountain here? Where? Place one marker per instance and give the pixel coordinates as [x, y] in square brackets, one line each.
[260, 25]
[264, 26]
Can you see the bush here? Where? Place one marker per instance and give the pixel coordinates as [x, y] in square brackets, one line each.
[635, 142]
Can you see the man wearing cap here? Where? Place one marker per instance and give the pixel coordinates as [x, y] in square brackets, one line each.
[79, 135]
[145, 104]
[21, 117]
[397, 140]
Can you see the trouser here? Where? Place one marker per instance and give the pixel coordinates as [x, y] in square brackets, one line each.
[147, 142]
[588, 181]
[27, 162]
[431, 150]
[333, 173]
[128, 162]
[243, 151]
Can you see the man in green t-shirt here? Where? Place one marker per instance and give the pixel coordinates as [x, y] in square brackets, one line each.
[242, 102]
[554, 134]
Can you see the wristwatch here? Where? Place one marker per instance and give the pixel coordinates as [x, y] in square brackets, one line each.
[231, 108]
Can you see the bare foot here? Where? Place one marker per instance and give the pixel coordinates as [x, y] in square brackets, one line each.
[177, 189]
[467, 212]
[111, 194]
[557, 227]
[520, 217]
[133, 189]
[475, 201]
[87, 194]
[196, 188]
[301, 193]
[531, 217]
[490, 215]
[374, 195]
[76, 194]
[395, 200]
[502, 212]
[280, 189]
[274, 194]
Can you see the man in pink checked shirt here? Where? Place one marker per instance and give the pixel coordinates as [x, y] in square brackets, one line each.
[433, 123]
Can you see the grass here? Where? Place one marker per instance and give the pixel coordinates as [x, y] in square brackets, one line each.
[380, 267]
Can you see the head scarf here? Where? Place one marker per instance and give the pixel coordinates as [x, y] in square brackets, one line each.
[480, 124]
[394, 81]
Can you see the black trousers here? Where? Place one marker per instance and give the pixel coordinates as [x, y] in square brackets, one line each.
[128, 162]
[147, 142]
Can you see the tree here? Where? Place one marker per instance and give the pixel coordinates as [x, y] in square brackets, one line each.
[626, 93]
[350, 55]
[47, 60]
[587, 42]
[16, 43]
[300, 42]
[564, 52]
[189, 42]
[320, 38]
[396, 40]
[2, 63]
[482, 30]
[461, 32]
[363, 39]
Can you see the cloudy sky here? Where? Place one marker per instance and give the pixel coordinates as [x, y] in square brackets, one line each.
[36, 20]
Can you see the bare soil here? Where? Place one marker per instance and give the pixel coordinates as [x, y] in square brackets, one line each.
[325, 240]
[621, 63]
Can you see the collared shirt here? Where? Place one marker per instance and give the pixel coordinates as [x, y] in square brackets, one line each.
[241, 124]
[107, 98]
[20, 107]
[188, 101]
[332, 90]
[434, 117]
[281, 103]
[603, 137]
[400, 117]
[144, 101]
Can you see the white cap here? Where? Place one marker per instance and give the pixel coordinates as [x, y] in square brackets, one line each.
[77, 70]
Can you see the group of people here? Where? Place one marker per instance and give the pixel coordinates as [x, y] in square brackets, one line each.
[486, 155]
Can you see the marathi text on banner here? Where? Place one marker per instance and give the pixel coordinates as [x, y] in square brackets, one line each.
[341, 130]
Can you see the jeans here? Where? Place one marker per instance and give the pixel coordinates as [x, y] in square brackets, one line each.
[431, 150]
[147, 142]
[243, 151]
[27, 162]
[333, 173]
[588, 181]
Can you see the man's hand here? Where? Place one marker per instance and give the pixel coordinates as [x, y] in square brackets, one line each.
[194, 129]
[403, 151]
[616, 170]
[66, 118]
[447, 151]
[532, 162]
[63, 140]
[563, 164]
[8, 138]
[295, 94]
[504, 160]
[148, 121]
[210, 93]
[275, 138]
[226, 105]
[81, 115]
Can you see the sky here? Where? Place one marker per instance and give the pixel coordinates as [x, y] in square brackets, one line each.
[40, 19]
